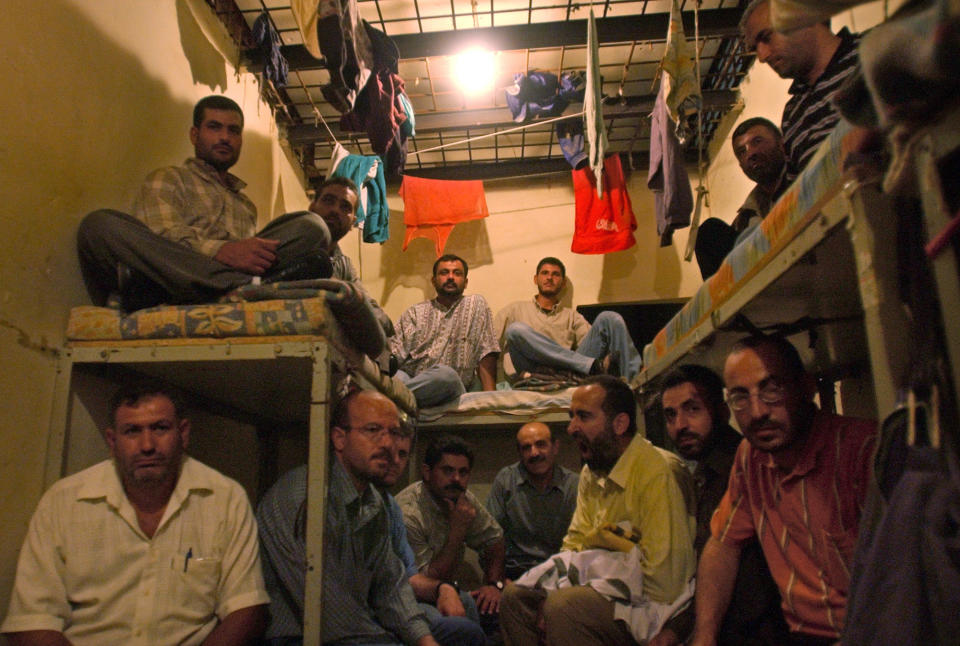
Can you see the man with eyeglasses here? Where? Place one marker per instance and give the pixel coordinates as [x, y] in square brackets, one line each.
[798, 485]
[443, 518]
[366, 596]
[697, 421]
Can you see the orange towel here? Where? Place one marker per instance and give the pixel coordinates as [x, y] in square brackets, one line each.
[431, 207]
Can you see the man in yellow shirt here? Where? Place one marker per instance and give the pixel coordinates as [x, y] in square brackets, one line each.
[630, 494]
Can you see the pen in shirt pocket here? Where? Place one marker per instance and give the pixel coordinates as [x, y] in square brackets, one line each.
[186, 559]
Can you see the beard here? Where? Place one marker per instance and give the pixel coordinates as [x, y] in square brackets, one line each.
[604, 452]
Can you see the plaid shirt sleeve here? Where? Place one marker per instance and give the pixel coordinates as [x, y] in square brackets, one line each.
[179, 207]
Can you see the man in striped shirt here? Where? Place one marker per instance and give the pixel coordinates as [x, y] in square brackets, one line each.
[798, 485]
[818, 61]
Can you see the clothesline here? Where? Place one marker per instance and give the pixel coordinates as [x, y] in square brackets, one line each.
[494, 134]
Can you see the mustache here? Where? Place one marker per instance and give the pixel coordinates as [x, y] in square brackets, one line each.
[686, 434]
[454, 487]
[536, 459]
[763, 424]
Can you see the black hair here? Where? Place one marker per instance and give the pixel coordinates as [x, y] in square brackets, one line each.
[550, 260]
[447, 445]
[757, 121]
[338, 181]
[707, 382]
[214, 102]
[143, 388]
[619, 398]
[449, 257]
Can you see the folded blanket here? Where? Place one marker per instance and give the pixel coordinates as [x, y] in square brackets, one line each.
[345, 300]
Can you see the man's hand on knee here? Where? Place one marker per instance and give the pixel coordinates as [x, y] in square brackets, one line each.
[251, 255]
[665, 637]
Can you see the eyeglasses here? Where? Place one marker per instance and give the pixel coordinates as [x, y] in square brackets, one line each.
[378, 432]
[771, 394]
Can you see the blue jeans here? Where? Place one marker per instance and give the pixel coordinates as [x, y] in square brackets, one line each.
[529, 349]
[453, 631]
[434, 386]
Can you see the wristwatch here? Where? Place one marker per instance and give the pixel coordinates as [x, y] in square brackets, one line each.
[498, 585]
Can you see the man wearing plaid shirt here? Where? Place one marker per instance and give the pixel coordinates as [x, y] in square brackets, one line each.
[192, 236]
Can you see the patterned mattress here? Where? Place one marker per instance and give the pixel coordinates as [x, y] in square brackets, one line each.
[217, 320]
[820, 181]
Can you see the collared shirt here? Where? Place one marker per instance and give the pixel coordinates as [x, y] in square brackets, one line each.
[758, 204]
[428, 525]
[806, 519]
[651, 490]
[534, 521]
[366, 596]
[87, 570]
[398, 535]
[189, 204]
[809, 115]
[565, 326]
[458, 336]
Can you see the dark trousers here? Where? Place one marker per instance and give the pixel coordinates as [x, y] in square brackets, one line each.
[170, 272]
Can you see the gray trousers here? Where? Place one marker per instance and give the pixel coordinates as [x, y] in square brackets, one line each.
[174, 272]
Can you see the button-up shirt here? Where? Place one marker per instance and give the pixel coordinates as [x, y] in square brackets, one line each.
[428, 525]
[458, 336]
[534, 521]
[366, 595]
[806, 519]
[191, 205]
[651, 490]
[87, 569]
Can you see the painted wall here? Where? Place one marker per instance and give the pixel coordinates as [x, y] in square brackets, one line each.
[99, 92]
[96, 94]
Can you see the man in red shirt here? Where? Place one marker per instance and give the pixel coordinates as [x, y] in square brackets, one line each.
[798, 484]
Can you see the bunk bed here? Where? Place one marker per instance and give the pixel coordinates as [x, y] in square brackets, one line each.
[272, 364]
[819, 269]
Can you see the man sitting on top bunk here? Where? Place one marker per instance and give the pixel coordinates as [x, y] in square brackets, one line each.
[758, 147]
[798, 485]
[192, 236]
[445, 345]
[818, 61]
[336, 204]
[541, 332]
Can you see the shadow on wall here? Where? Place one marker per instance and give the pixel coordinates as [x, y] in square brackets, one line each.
[206, 63]
[122, 123]
[412, 268]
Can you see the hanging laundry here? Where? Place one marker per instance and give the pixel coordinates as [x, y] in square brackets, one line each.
[593, 107]
[379, 112]
[570, 138]
[667, 177]
[305, 13]
[682, 92]
[431, 207]
[268, 46]
[542, 94]
[603, 224]
[346, 48]
[373, 213]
